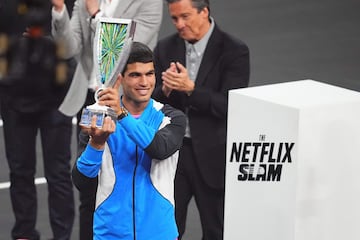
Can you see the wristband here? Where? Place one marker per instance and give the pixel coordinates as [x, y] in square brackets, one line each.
[123, 113]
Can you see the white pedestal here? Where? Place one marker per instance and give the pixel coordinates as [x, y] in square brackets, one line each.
[293, 163]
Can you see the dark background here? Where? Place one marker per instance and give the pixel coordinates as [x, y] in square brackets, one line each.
[288, 39]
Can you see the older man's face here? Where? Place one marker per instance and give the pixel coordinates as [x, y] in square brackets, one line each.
[190, 24]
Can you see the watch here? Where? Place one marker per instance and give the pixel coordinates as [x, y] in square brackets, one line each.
[123, 113]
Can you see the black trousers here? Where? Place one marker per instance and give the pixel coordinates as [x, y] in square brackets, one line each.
[20, 131]
[209, 201]
[87, 200]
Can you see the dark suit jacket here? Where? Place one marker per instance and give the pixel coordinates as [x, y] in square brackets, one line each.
[225, 65]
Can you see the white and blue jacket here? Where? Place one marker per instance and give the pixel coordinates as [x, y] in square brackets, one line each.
[135, 176]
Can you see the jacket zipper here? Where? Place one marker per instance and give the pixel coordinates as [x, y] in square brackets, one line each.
[133, 190]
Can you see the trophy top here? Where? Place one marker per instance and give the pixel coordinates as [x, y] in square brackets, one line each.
[112, 44]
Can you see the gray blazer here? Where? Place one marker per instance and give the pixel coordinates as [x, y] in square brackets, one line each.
[77, 34]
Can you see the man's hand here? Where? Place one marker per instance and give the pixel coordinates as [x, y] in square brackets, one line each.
[166, 90]
[98, 136]
[92, 6]
[176, 78]
[110, 96]
[58, 5]
[106, 97]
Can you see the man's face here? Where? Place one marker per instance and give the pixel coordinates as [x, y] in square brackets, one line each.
[190, 24]
[138, 82]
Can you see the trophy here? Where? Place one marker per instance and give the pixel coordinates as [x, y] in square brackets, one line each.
[112, 45]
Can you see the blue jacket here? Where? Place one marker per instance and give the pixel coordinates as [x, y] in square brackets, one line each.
[135, 175]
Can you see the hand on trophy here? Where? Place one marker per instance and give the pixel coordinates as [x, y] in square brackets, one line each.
[98, 136]
[110, 96]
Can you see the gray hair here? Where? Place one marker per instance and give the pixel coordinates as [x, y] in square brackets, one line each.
[198, 4]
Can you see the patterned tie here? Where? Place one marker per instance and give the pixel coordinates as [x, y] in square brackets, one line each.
[192, 62]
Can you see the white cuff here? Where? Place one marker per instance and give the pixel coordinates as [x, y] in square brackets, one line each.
[58, 15]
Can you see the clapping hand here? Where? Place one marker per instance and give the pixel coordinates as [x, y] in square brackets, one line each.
[176, 78]
[58, 5]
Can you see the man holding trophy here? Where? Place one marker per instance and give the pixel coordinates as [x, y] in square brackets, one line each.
[132, 160]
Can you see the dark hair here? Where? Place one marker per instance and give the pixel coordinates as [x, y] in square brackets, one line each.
[139, 53]
[198, 4]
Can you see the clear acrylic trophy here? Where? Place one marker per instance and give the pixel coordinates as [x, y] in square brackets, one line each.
[112, 44]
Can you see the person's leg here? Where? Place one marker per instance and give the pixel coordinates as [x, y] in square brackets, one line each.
[183, 187]
[56, 132]
[87, 200]
[210, 203]
[86, 212]
[20, 140]
[87, 193]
